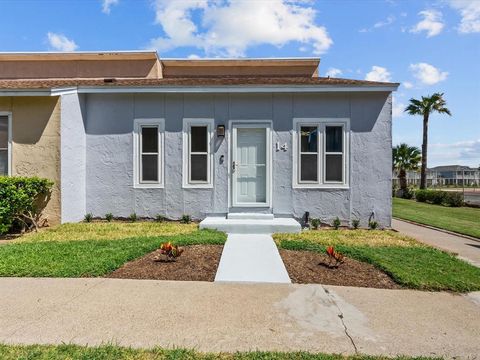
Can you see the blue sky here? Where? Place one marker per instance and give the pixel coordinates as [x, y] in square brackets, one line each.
[428, 46]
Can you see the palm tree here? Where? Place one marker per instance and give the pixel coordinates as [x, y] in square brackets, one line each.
[425, 107]
[405, 158]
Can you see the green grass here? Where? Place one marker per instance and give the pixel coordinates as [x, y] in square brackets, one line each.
[463, 220]
[81, 258]
[408, 262]
[111, 352]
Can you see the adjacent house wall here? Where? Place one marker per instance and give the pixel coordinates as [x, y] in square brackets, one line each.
[109, 153]
[36, 143]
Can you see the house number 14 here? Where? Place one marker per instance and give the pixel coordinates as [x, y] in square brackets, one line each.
[283, 147]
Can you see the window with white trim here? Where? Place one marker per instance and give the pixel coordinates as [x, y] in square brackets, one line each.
[198, 155]
[148, 153]
[320, 152]
[4, 145]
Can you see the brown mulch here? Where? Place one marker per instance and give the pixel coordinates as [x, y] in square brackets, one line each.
[308, 267]
[197, 263]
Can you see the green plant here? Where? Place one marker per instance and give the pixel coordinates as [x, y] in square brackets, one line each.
[373, 224]
[88, 217]
[336, 223]
[186, 219]
[355, 223]
[315, 223]
[133, 217]
[421, 195]
[22, 200]
[109, 217]
[405, 158]
[159, 218]
[453, 199]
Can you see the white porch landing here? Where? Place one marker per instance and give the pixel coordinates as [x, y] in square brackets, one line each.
[246, 223]
[251, 258]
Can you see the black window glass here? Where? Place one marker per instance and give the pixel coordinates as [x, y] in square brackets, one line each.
[199, 139]
[309, 138]
[308, 167]
[149, 139]
[198, 167]
[333, 168]
[149, 167]
[334, 138]
[3, 132]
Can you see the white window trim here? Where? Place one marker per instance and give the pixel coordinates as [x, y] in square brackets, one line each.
[321, 123]
[187, 124]
[138, 124]
[10, 140]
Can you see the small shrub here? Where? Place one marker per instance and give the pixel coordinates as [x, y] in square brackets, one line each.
[372, 225]
[408, 193]
[355, 223]
[159, 218]
[336, 223]
[436, 197]
[88, 217]
[169, 251]
[315, 223]
[186, 219]
[421, 195]
[334, 256]
[453, 199]
[133, 217]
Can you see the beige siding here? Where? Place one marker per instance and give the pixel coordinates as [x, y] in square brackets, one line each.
[36, 142]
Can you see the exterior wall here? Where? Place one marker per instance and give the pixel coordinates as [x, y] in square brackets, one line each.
[109, 153]
[73, 164]
[36, 143]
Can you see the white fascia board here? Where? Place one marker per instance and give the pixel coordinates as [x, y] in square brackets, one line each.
[20, 92]
[237, 89]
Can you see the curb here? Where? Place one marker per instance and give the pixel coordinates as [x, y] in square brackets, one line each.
[438, 229]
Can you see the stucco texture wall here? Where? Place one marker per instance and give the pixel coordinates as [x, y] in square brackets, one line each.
[36, 143]
[109, 153]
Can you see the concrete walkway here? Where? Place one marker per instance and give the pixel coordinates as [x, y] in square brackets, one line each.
[251, 258]
[468, 250]
[230, 317]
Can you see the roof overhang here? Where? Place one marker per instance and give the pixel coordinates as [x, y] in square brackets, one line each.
[78, 55]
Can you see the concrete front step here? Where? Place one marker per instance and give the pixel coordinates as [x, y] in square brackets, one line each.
[251, 226]
[250, 216]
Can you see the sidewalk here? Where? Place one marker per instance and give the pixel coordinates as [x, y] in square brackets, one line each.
[468, 250]
[239, 317]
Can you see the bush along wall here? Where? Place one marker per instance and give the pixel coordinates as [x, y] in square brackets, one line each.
[438, 197]
[22, 200]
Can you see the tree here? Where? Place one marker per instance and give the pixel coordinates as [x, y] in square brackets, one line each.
[405, 158]
[424, 107]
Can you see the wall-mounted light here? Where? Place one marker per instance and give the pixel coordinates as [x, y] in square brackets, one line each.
[221, 130]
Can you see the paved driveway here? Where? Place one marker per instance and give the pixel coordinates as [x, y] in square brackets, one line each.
[231, 317]
[467, 249]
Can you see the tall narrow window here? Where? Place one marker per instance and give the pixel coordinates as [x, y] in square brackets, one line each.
[308, 154]
[4, 145]
[148, 158]
[334, 153]
[198, 154]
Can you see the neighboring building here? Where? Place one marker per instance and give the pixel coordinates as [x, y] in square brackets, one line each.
[445, 175]
[124, 132]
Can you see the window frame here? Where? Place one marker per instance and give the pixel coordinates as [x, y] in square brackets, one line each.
[188, 123]
[8, 114]
[140, 123]
[321, 124]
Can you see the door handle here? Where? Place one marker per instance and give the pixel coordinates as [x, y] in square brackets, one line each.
[233, 165]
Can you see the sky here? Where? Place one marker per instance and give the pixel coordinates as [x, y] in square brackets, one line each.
[427, 46]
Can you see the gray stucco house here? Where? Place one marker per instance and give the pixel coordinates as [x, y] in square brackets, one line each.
[211, 137]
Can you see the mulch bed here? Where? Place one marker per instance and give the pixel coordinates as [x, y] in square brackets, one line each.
[308, 267]
[197, 263]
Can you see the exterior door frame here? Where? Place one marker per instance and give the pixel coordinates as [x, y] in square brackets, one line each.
[253, 124]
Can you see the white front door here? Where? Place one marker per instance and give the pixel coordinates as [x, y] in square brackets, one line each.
[251, 165]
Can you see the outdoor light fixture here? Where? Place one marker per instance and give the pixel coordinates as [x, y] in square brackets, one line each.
[221, 130]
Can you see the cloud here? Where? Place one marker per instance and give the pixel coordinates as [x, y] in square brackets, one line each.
[378, 73]
[107, 5]
[333, 72]
[462, 152]
[60, 42]
[470, 12]
[407, 85]
[379, 24]
[427, 74]
[222, 28]
[432, 23]
[397, 108]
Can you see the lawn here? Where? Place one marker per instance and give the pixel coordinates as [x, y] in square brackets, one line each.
[94, 249]
[463, 220]
[408, 262]
[110, 352]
